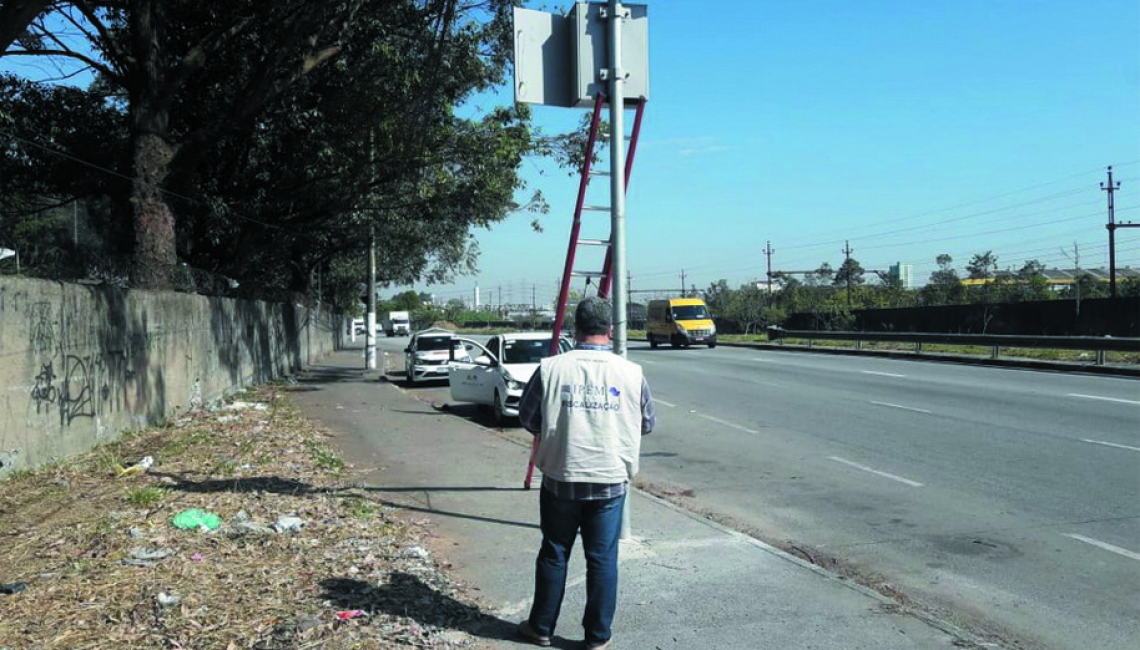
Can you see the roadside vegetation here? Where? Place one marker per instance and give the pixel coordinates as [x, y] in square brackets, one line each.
[302, 558]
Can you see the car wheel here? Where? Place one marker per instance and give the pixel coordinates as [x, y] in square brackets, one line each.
[652, 341]
[712, 344]
[500, 414]
[411, 375]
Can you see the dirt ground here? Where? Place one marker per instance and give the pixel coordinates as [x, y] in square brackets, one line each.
[90, 558]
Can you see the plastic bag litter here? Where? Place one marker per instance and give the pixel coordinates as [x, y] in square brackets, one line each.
[138, 468]
[196, 518]
[288, 524]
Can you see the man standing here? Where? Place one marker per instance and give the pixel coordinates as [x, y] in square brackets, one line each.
[588, 408]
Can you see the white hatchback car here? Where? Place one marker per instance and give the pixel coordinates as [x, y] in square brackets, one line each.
[495, 374]
[428, 354]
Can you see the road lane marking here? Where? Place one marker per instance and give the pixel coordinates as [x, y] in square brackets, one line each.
[881, 374]
[1109, 444]
[652, 363]
[1105, 399]
[661, 401]
[726, 423]
[897, 406]
[875, 471]
[1105, 545]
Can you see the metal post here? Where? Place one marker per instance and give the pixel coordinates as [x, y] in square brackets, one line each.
[370, 334]
[1112, 225]
[617, 178]
[617, 202]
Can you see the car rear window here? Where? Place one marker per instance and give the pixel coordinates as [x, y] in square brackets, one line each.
[433, 343]
[525, 350]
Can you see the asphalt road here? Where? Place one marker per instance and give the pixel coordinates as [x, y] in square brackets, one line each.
[999, 498]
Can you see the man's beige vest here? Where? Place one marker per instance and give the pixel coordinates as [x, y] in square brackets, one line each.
[591, 417]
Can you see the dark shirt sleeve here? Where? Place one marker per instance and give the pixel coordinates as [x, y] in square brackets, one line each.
[530, 404]
[648, 411]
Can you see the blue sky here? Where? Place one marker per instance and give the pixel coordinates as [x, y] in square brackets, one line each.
[909, 129]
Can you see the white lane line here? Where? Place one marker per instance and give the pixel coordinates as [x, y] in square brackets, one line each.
[726, 423]
[875, 471]
[1105, 399]
[661, 401]
[881, 374]
[897, 406]
[1105, 545]
[1109, 444]
[652, 363]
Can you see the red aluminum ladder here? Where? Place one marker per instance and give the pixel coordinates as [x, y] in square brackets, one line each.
[604, 276]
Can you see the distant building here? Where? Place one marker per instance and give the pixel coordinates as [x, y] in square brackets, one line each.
[1058, 279]
[904, 273]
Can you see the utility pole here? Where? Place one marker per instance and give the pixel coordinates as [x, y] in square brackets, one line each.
[768, 250]
[1111, 188]
[682, 283]
[846, 268]
[370, 334]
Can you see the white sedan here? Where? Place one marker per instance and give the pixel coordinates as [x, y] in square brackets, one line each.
[495, 374]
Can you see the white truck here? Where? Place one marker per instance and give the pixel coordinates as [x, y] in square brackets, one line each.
[396, 323]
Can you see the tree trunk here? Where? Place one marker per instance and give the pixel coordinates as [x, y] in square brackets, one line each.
[154, 223]
[155, 257]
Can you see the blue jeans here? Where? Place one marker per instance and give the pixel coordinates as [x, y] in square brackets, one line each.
[600, 524]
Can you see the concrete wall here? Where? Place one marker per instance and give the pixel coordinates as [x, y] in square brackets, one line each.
[81, 364]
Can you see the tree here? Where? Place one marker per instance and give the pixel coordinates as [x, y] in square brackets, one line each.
[983, 267]
[747, 306]
[406, 301]
[849, 274]
[944, 286]
[716, 297]
[1030, 284]
[250, 86]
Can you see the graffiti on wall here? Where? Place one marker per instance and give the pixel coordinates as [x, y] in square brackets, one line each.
[69, 383]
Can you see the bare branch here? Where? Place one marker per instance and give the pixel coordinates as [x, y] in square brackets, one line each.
[68, 54]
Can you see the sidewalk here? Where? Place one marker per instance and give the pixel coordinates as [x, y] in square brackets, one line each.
[685, 582]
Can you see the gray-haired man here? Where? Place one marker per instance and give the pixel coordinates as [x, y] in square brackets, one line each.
[589, 408]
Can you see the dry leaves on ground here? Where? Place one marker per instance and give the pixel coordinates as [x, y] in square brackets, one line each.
[103, 567]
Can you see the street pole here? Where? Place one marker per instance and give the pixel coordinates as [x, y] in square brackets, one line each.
[617, 201]
[370, 334]
[617, 178]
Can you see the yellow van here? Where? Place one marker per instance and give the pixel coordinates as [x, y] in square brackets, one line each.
[679, 321]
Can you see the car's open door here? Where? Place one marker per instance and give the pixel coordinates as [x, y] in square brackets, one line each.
[472, 372]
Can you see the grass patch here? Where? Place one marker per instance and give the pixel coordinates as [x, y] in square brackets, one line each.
[360, 508]
[323, 457]
[145, 497]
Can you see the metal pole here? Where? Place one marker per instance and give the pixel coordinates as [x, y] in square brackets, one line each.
[617, 178]
[1110, 188]
[370, 334]
[617, 201]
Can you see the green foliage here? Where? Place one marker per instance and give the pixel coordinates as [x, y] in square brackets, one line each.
[1128, 287]
[944, 286]
[293, 129]
[145, 497]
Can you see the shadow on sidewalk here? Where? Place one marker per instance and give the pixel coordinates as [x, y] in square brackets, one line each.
[318, 374]
[292, 487]
[407, 595]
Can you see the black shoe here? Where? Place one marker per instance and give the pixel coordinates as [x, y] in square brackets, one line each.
[528, 633]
